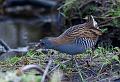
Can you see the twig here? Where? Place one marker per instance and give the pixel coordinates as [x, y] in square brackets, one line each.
[97, 76]
[46, 70]
[108, 19]
[5, 45]
[58, 66]
[104, 25]
[29, 67]
[36, 67]
[101, 69]
[86, 3]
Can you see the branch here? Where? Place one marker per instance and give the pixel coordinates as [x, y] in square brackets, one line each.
[88, 2]
[29, 67]
[107, 19]
[7, 48]
[46, 70]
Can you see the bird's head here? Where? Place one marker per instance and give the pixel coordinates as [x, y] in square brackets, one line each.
[45, 43]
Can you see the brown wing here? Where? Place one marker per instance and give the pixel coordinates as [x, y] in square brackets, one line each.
[76, 32]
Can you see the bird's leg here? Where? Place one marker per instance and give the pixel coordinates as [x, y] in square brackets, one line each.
[92, 52]
[89, 63]
[72, 61]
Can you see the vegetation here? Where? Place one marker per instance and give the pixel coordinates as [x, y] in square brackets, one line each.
[82, 8]
[93, 65]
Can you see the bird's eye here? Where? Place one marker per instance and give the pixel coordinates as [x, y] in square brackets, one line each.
[42, 43]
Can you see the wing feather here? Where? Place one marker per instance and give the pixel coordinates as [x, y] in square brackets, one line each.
[77, 32]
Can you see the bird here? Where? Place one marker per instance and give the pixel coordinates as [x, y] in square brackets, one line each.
[75, 40]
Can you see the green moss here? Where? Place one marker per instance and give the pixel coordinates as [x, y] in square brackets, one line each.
[30, 78]
[13, 60]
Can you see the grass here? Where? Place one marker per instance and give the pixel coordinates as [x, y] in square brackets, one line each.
[92, 64]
